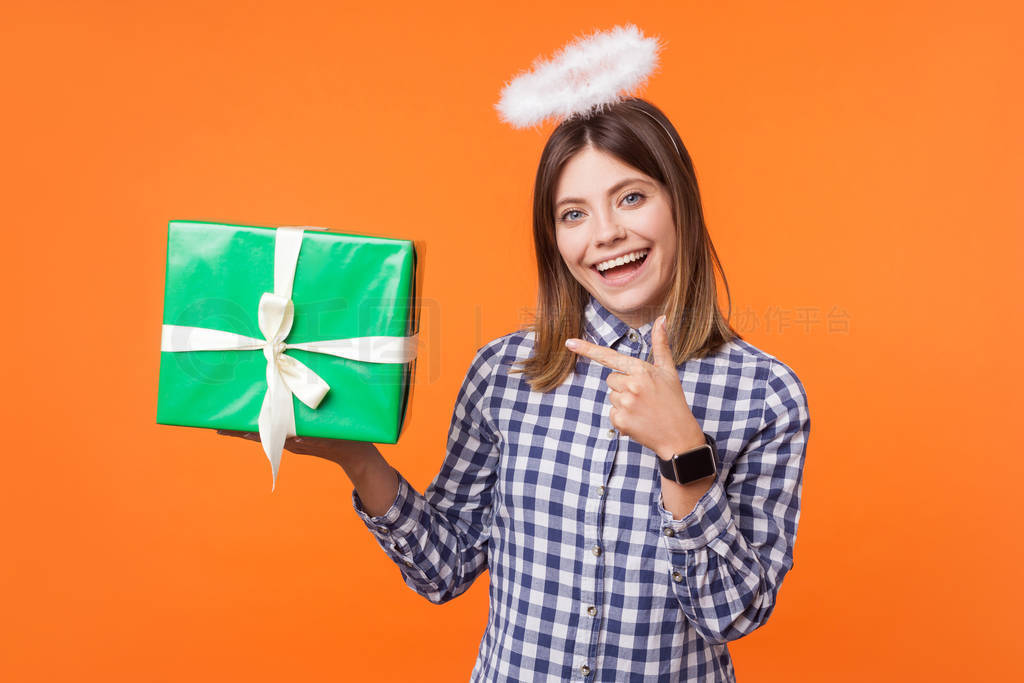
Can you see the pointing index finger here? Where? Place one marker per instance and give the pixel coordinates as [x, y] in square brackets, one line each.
[602, 354]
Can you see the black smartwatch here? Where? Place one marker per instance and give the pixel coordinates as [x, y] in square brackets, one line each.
[691, 465]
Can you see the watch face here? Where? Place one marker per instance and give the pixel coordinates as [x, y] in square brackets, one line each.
[694, 466]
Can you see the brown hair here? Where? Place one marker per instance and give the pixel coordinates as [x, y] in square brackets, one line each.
[640, 135]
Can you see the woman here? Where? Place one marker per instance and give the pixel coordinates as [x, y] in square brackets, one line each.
[610, 558]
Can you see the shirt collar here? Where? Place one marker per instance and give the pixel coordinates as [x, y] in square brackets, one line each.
[602, 327]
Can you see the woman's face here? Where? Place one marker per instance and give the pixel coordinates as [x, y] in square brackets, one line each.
[604, 210]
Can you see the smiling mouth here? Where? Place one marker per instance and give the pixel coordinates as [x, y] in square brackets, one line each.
[624, 273]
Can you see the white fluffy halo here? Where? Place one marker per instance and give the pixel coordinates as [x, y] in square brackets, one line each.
[585, 75]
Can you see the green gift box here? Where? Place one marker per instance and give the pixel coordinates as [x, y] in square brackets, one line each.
[287, 331]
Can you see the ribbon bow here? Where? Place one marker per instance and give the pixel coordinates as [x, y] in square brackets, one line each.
[286, 376]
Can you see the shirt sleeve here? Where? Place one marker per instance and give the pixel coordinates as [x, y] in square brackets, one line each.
[730, 554]
[439, 539]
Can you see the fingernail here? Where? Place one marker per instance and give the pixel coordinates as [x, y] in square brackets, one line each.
[661, 321]
[571, 343]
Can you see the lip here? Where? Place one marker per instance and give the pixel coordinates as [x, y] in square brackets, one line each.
[625, 279]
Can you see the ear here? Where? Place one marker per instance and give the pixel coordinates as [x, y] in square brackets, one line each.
[661, 348]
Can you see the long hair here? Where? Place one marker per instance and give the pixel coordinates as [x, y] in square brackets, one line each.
[640, 135]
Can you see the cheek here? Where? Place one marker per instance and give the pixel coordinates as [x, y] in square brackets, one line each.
[669, 252]
[668, 264]
[665, 237]
[568, 250]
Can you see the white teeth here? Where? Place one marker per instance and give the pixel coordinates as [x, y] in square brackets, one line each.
[611, 263]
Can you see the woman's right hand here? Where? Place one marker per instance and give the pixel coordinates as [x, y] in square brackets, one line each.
[375, 480]
[348, 454]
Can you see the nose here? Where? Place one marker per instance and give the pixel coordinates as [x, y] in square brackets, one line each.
[607, 229]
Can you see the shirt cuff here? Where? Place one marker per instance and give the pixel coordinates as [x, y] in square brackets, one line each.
[395, 529]
[708, 520]
[401, 533]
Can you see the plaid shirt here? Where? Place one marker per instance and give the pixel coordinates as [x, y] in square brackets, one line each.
[591, 578]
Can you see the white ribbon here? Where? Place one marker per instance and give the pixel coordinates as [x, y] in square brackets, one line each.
[285, 375]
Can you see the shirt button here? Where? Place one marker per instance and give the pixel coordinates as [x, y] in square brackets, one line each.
[677, 577]
[408, 563]
[585, 670]
[597, 550]
[600, 490]
[382, 529]
[633, 336]
[670, 532]
[592, 611]
[611, 433]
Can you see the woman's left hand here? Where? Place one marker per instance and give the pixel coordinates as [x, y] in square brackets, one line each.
[648, 404]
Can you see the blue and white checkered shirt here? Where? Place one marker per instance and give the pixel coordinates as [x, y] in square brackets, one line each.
[591, 578]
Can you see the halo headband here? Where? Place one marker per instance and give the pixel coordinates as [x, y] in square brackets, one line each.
[584, 76]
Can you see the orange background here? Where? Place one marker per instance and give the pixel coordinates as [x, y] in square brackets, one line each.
[860, 166]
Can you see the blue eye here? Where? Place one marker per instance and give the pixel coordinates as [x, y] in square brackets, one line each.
[567, 216]
[639, 196]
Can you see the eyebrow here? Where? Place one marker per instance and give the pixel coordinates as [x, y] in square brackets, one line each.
[612, 190]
